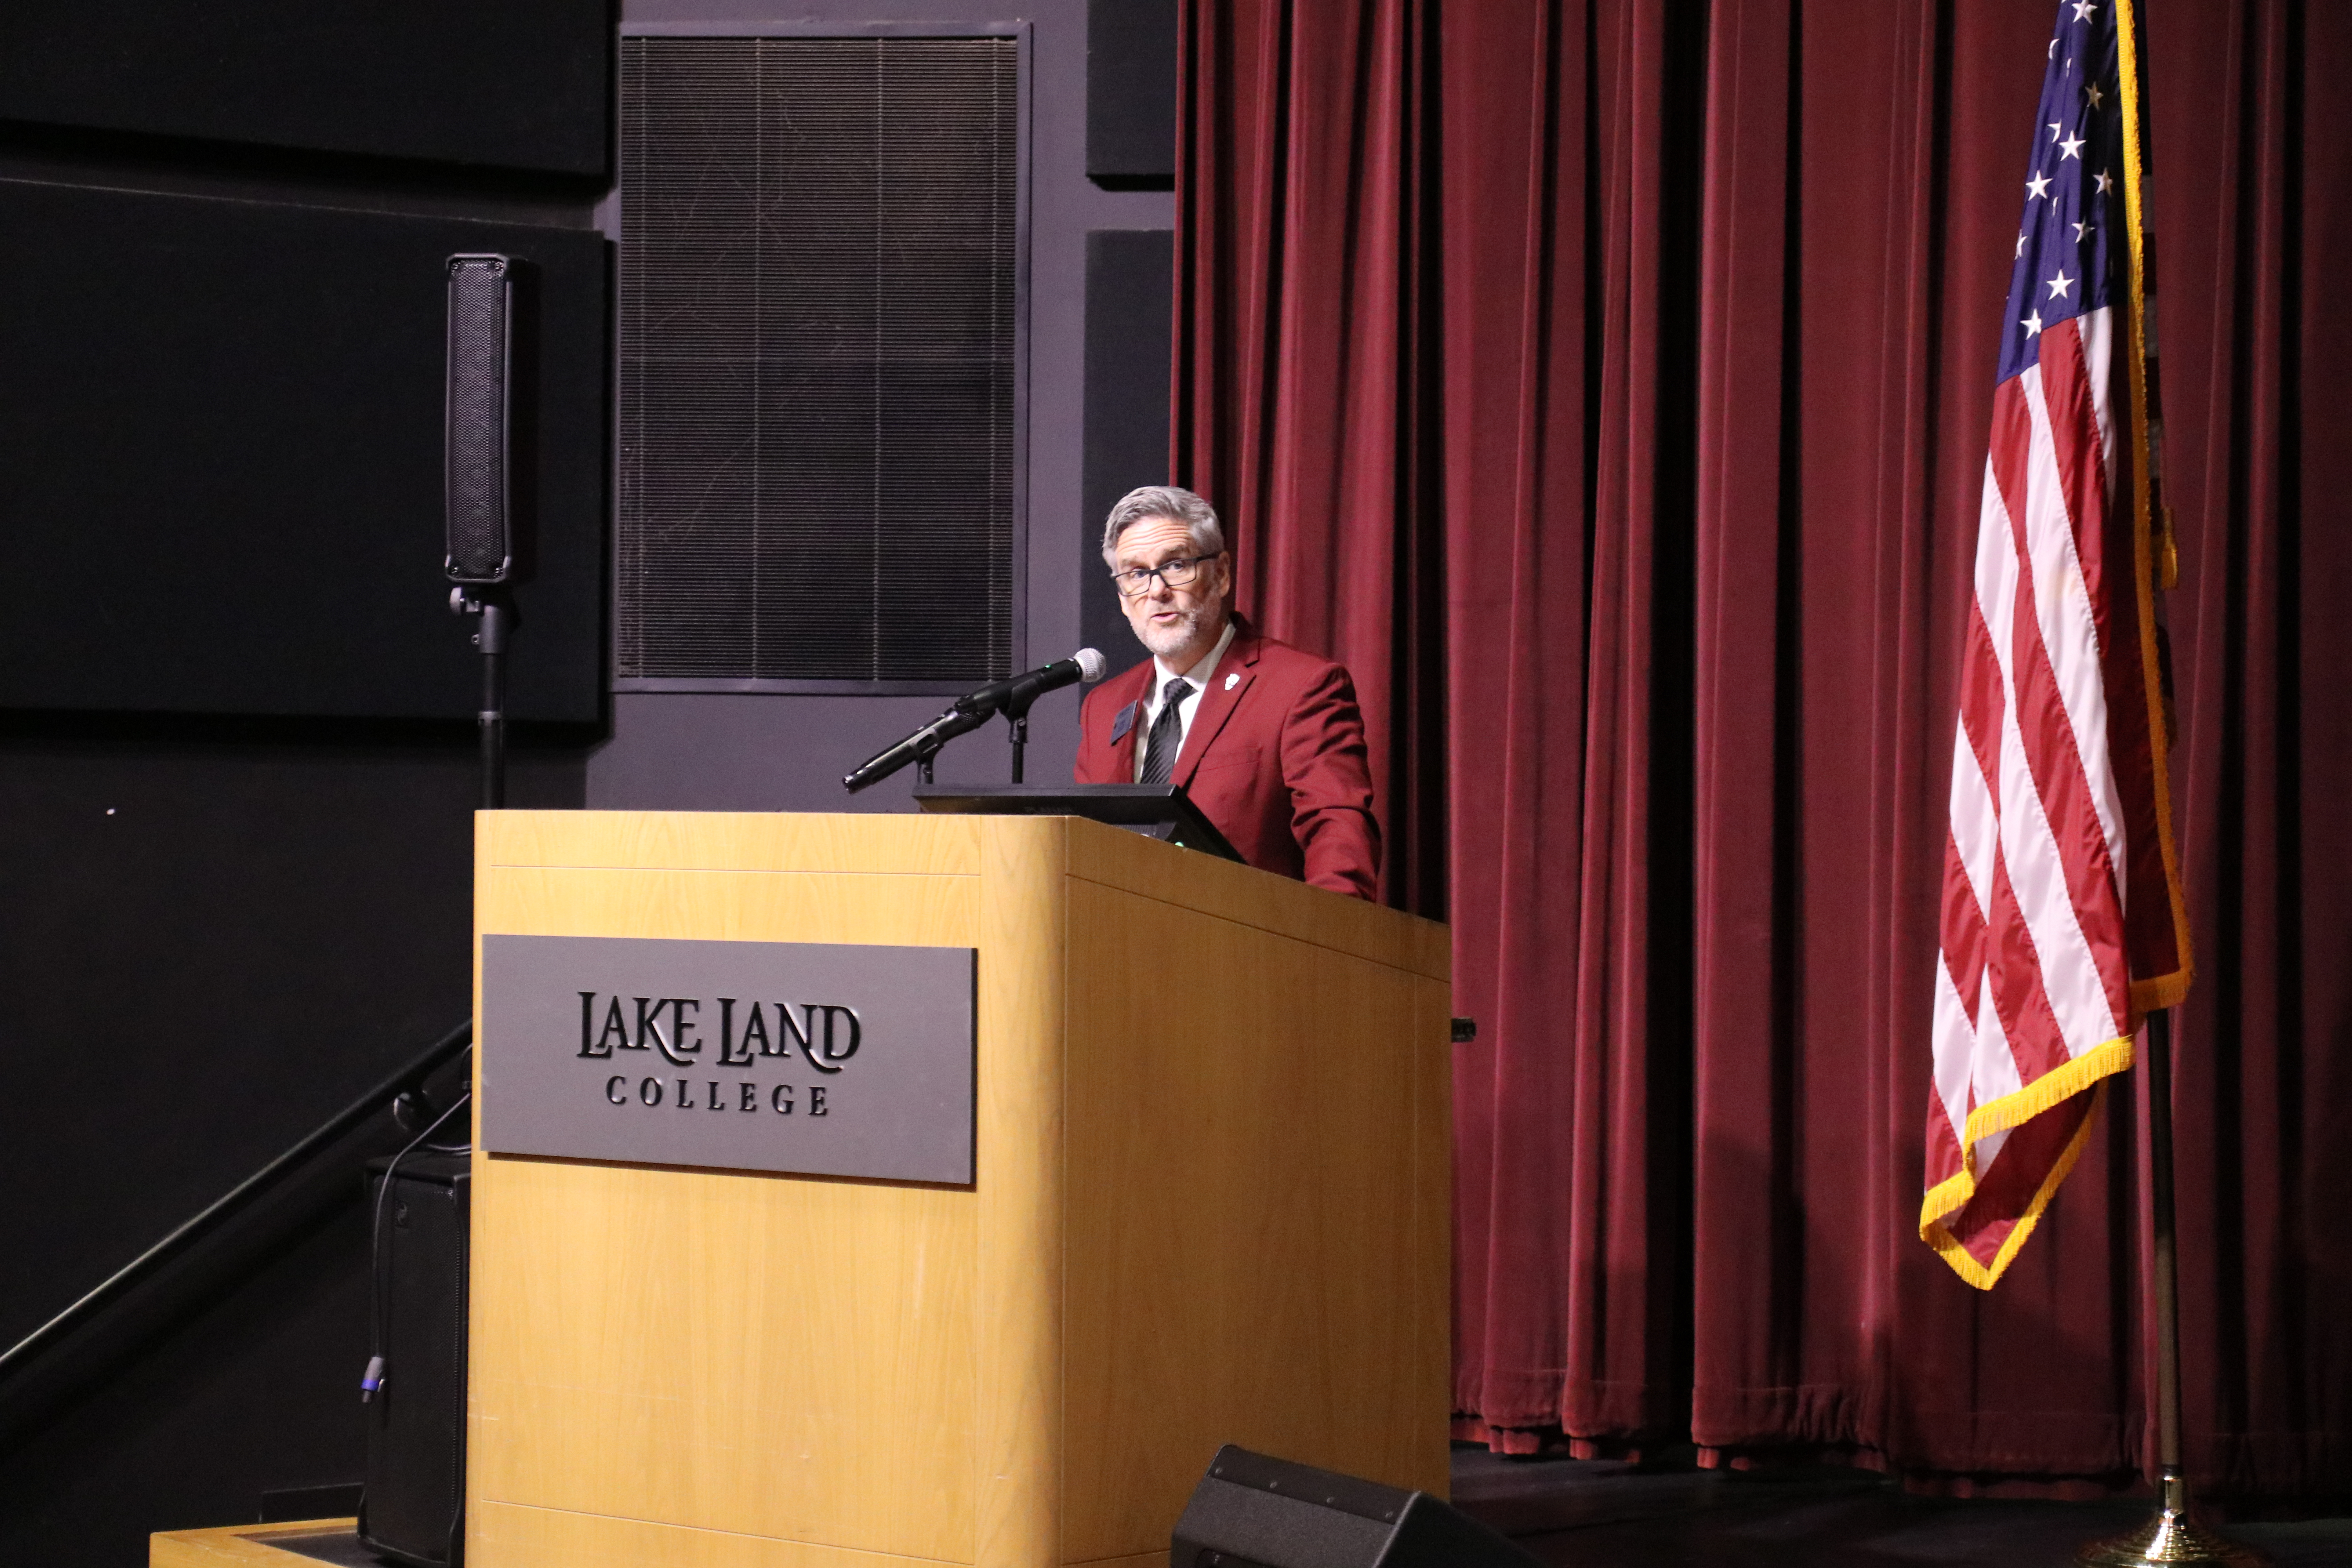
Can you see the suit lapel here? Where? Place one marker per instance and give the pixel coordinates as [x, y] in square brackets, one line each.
[1130, 713]
[1227, 686]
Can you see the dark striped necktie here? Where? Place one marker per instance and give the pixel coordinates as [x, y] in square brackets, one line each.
[1166, 731]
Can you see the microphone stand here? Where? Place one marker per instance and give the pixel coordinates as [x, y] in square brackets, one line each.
[1016, 716]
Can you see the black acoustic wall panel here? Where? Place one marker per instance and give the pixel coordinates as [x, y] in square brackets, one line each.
[521, 84]
[819, 435]
[221, 460]
[1131, 325]
[1131, 94]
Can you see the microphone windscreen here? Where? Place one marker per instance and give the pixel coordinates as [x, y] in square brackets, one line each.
[1092, 666]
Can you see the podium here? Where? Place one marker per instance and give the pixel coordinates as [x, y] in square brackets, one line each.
[1209, 1204]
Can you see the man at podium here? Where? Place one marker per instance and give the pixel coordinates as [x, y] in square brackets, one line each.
[1265, 738]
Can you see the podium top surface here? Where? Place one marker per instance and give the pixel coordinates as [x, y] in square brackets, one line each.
[908, 843]
[1164, 807]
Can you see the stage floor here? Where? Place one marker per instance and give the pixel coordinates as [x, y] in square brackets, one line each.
[1589, 1514]
[1584, 1514]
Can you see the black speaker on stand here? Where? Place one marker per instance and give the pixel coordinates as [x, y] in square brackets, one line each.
[479, 489]
[1253, 1511]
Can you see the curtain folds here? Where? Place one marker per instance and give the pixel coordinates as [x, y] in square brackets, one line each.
[1607, 383]
[2253, 211]
[1386, 331]
[1864, 165]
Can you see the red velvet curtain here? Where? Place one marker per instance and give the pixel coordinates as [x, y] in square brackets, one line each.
[1607, 382]
[2255, 216]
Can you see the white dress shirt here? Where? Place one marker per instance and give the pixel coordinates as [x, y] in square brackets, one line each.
[1198, 676]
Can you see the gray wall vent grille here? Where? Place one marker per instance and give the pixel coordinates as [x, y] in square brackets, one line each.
[819, 255]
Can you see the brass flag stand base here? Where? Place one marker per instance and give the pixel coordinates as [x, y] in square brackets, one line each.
[2172, 1536]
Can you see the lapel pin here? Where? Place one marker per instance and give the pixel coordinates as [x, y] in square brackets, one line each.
[1232, 680]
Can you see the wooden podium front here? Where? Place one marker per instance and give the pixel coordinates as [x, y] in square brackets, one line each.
[1210, 1205]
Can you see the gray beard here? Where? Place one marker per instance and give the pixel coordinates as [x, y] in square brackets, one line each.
[1161, 643]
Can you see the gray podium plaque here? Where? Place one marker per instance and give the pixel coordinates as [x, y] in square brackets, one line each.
[814, 1057]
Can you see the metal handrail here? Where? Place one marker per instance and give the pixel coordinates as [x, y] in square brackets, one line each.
[27, 1351]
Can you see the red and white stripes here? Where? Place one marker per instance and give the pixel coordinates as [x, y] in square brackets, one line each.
[2032, 1003]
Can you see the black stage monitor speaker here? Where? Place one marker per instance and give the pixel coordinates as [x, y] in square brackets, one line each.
[479, 416]
[412, 1509]
[1252, 1511]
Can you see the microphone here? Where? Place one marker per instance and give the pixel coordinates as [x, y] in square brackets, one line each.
[922, 743]
[970, 712]
[1014, 696]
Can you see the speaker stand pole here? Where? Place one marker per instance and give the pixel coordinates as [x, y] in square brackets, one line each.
[498, 622]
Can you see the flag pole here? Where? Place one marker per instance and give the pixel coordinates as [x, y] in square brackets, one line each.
[2173, 1535]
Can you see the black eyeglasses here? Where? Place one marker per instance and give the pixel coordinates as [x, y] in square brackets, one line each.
[1178, 574]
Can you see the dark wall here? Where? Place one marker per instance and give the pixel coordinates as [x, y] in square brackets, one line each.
[236, 756]
[518, 85]
[221, 438]
[255, 1389]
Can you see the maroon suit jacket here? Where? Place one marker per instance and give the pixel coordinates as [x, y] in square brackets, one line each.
[1274, 758]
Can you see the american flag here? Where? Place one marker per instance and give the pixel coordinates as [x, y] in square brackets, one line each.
[2062, 921]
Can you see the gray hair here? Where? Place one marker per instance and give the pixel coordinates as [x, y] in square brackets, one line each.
[1142, 505]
